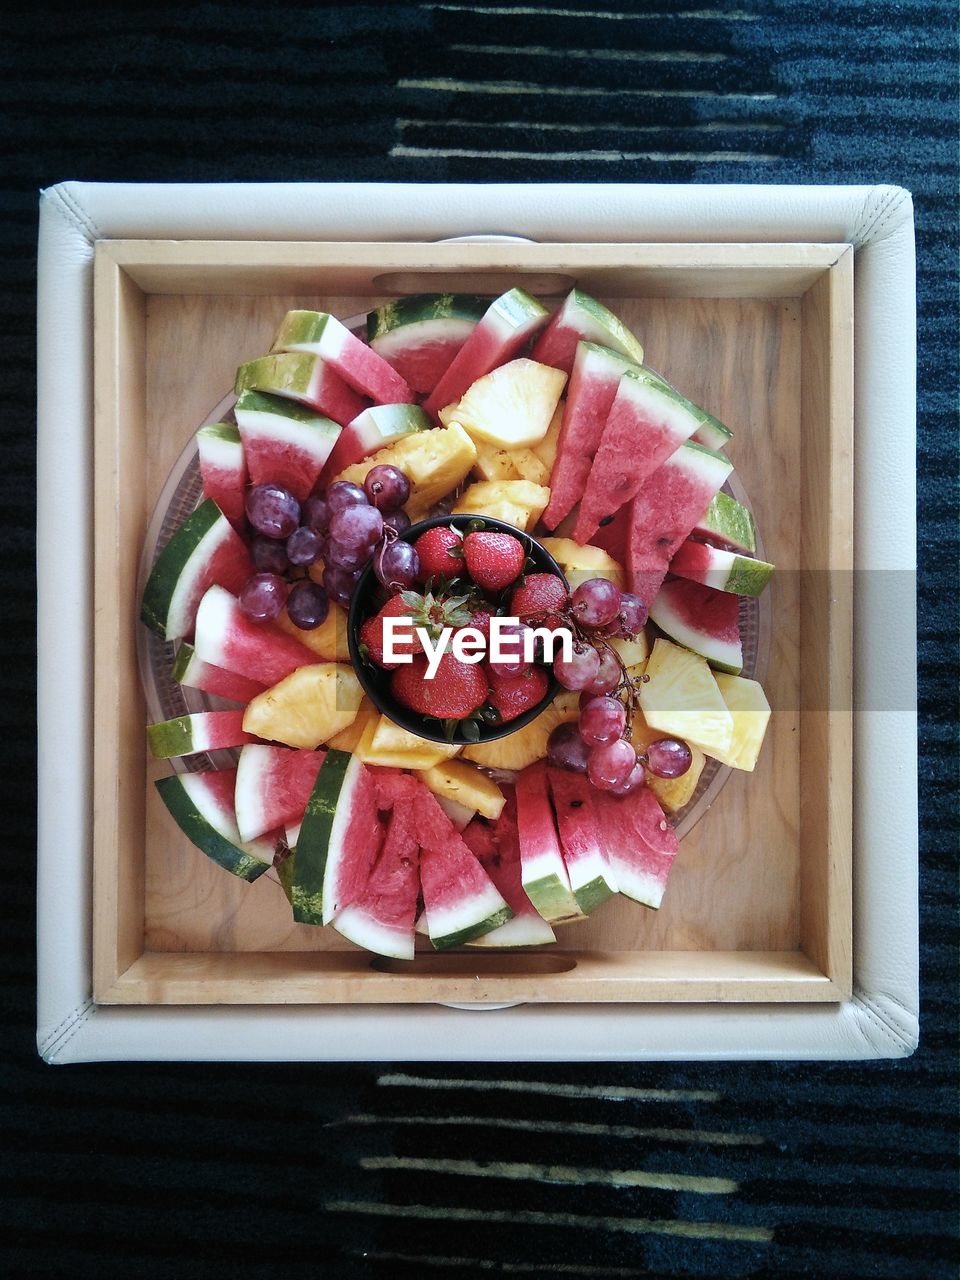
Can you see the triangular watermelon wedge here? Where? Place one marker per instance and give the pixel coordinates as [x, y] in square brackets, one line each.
[223, 470]
[497, 848]
[197, 674]
[592, 878]
[303, 378]
[645, 425]
[581, 317]
[202, 805]
[544, 874]
[382, 916]
[323, 335]
[273, 786]
[227, 638]
[638, 841]
[283, 443]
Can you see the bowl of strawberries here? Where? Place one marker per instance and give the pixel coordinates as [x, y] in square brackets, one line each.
[441, 628]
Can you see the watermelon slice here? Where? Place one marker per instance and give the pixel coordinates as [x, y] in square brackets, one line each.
[419, 336]
[592, 879]
[382, 916]
[338, 841]
[283, 443]
[284, 863]
[663, 513]
[227, 638]
[593, 385]
[498, 851]
[582, 317]
[711, 432]
[202, 806]
[323, 335]
[645, 425]
[201, 731]
[702, 620]
[303, 378]
[371, 430]
[223, 470]
[544, 875]
[726, 523]
[639, 843]
[273, 787]
[196, 674]
[206, 549]
[613, 533]
[507, 324]
[721, 570]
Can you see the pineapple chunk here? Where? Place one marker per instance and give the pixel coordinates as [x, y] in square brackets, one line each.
[493, 463]
[310, 706]
[516, 750]
[747, 704]
[529, 467]
[568, 705]
[681, 698]
[674, 793]
[466, 785]
[633, 653]
[347, 739]
[513, 405]
[580, 563]
[518, 502]
[546, 449]
[329, 640]
[434, 462]
[386, 743]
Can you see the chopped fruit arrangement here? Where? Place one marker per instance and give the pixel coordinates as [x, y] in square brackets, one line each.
[403, 781]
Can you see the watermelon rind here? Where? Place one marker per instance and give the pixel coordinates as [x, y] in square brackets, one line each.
[223, 469]
[211, 828]
[591, 877]
[197, 731]
[323, 335]
[193, 672]
[479, 913]
[722, 570]
[581, 317]
[358, 924]
[284, 442]
[724, 653]
[544, 875]
[261, 805]
[711, 432]
[643, 858]
[423, 309]
[527, 930]
[727, 522]
[171, 594]
[419, 336]
[338, 771]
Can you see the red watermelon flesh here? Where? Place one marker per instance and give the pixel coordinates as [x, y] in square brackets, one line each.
[357, 364]
[578, 318]
[612, 535]
[284, 443]
[227, 638]
[223, 470]
[355, 842]
[591, 877]
[646, 423]
[703, 619]
[273, 786]
[423, 366]
[639, 842]
[381, 918]
[478, 836]
[543, 871]
[665, 511]
[590, 393]
[331, 396]
[497, 846]
[197, 674]
[504, 330]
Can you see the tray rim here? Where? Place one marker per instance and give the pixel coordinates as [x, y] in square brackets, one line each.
[879, 1019]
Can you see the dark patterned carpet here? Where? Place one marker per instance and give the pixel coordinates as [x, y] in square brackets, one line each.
[745, 1170]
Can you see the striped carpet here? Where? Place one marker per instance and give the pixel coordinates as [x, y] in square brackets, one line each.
[611, 1171]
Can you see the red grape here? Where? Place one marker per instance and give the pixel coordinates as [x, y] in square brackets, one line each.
[272, 511]
[608, 677]
[602, 720]
[396, 565]
[303, 546]
[341, 557]
[344, 494]
[269, 555]
[339, 583]
[632, 614]
[668, 758]
[307, 605]
[398, 521]
[581, 670]
[316, 513]
[566, 749]
[386, 487]
[595, 602]
[263, 596]
[635, 778]
[356, 526]
[610, 765]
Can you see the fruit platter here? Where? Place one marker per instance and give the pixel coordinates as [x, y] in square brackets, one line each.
[452, 620]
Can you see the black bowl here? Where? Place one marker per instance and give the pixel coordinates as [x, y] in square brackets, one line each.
[376, 682]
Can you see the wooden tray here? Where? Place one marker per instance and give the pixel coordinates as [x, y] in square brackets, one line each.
[758, 907]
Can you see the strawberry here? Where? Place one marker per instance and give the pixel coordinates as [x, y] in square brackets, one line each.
[455, 692]
[371, 633]
[536, 596]
[481, 620]
[494, 560]
[441, 553]
[513, 695]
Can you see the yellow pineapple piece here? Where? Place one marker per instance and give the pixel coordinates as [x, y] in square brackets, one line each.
[633, 653]
[529, 467]
[748, 705]
[567, 705]
[347, 739]
[329, 640]
[308, 707]
[681, 698]
[518, 502]
[580, 563]
[386, 743]
[464, 784]
[434, 462]
[493, 463]
[518, 749]
[513, 405]
[546, 449]
[674, 793]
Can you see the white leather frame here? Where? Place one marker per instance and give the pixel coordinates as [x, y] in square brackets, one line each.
[881, 1018]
